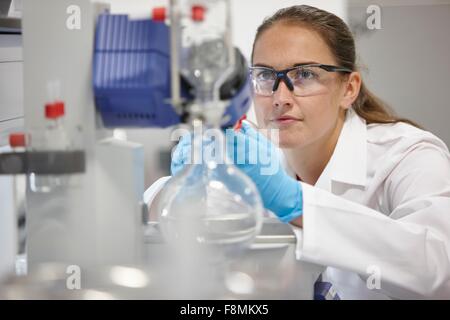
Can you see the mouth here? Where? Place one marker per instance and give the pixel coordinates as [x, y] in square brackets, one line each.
[285, 120]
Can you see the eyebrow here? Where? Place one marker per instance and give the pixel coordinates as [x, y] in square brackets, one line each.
[295, 65]
[304, 63]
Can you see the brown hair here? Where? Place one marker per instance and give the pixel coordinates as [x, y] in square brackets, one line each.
[339, 39]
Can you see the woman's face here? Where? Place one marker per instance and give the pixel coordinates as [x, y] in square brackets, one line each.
[300, 120]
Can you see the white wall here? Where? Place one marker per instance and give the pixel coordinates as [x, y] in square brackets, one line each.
[248, 15]
[407, 61]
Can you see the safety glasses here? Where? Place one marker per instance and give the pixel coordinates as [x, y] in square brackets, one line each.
[302, 80]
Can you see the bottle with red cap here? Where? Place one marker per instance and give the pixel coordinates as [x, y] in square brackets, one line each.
[55, 132]
[18, 141]
[54, 138]
[52, 135]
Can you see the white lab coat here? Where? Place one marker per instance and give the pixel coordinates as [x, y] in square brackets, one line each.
[379, 215]
[382, 205]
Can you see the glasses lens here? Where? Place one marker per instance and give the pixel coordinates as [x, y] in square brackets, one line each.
[263, 80]
[308, 80]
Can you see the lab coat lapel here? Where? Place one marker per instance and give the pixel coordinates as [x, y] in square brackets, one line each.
[348, 164]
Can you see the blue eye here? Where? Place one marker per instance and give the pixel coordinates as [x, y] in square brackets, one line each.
[264, 75]
[303, 74]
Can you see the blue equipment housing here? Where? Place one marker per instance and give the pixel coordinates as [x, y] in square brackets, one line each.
[131, 76]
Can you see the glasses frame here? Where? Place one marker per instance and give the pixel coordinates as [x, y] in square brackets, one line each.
[282, 74]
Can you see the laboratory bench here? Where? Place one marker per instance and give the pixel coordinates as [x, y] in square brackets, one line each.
[266, 270]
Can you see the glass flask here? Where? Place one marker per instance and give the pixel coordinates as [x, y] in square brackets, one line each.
[210, 204]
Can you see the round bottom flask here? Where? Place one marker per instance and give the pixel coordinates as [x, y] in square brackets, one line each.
[211, 205]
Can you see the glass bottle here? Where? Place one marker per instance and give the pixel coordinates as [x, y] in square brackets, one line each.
[55, 138]
[210, 206]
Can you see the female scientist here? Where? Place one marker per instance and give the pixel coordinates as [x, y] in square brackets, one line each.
[368, 193]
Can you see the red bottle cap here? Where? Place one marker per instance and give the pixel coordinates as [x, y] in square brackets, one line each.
[17, 140]
[54, 110]
[159, 14]
[198, 13]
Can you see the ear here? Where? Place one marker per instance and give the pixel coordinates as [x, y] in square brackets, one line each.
[351, 89]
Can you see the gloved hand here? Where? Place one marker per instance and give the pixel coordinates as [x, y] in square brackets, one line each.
[250, 151]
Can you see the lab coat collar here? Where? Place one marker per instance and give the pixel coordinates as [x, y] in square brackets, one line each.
[348, 164]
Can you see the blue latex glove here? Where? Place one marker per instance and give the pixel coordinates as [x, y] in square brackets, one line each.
[280, 193]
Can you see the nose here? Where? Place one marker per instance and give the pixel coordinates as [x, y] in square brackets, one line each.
[282, 97]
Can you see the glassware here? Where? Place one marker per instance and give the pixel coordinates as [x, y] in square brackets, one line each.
[211, 204]
[205, 48]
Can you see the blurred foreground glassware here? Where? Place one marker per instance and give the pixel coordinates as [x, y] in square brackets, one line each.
[210, 206]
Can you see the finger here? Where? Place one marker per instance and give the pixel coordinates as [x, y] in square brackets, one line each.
[248, 130]
[185, 140]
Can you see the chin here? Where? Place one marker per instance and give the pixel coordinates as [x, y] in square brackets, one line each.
[288, 145]
[289, 142]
